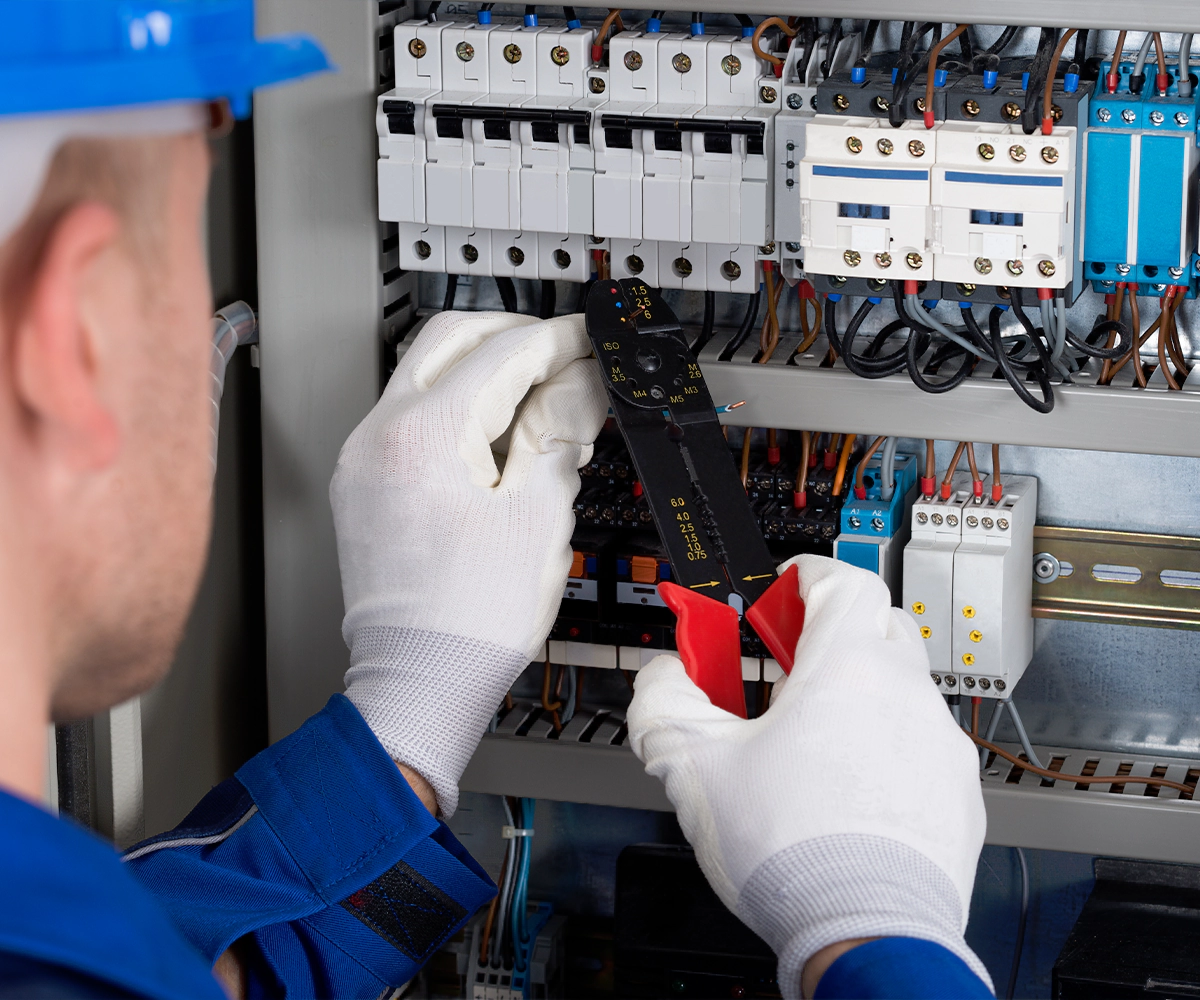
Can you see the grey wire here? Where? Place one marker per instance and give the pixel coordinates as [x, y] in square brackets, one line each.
[1139, 65]
[507, 883]
[922, 315]
[1019, 946]
[1056, 333]
[887, 469]
[993, 722]
[1185, 64]
[956, 712]
[1024, 736]
[567, 712]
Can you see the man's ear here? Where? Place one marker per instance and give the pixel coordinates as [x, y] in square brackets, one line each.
[56, 340]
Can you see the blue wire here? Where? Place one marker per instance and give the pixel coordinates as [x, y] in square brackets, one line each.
[520, 928]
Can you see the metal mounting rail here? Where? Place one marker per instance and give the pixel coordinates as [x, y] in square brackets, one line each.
[798, 393]
[588, 762]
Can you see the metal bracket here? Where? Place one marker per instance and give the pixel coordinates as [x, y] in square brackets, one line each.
[1116, 576]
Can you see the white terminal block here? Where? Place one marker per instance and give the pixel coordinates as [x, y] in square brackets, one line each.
[929, 574]
[1004, 205]
[636, 259]
[865, 198]
[992, 632]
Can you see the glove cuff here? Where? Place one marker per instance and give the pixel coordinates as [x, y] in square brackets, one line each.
[837, 888]
[428, 697]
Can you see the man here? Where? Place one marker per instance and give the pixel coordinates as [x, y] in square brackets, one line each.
[843, 826]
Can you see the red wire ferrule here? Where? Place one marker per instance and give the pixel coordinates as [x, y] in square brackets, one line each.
[977, 489]
[768, 265]
[997, 492]
[976, 699]
[1047, 126]
[860, 493]
[597, 52]
[637, 488]
[1045, 293]
[805, 290]
[946, 490]
[800, 499]
[1110, 299]
[929, 120]
[773, 457]
[830, 459]
[812, 461]
[910, 288]
[1112, 81]
[777, 68]
[1164, 82]
[928, 486]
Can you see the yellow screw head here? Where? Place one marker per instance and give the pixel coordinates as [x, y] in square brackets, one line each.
[682, 62]
[633, 60]
[918, 608]
[987, 151]
[417, 49]
[852, 257]
[914, 260]
[968, 659]
[1017, 153]
[512, 53]
[975, 635]
[841, 102]
[883, 259]
[926, 631]
[1015, 266]
[465, 51]
[983, 265]
[885, 146]
[559, 56]
[1011, 111]
[596, 84]
[968, 612]
[854, 144]
[1046, 267]
[916, 147]
[768, 95]
[1049, 154]
[970, 108]
[731, 65]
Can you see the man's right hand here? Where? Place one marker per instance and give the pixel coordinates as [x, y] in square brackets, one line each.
[852, 808]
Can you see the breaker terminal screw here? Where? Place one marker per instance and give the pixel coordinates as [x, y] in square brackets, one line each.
[1046, 267]
[1182, 118]
[926, 632]
[596, 239]
[683, 267]
[916, 147]
[1017, 153]
[1002, 524]
[732, 65]
[417, 49]
[1011, 111]
[918, 608]
[855, 522]
[470, 253]
[968, 659]
[937, 678]
[596, 84]
[983, 265]
[633, 60]
[792, 247]
[852, 257]
[968, 612]
[1122, 269]
[984, 683]
[1000, 685]
[919, 105]
[1056, 113]
[795, 102]
[1159, 288]
[422, 249]
[922, 517]
[1015, 266]
[1175, 272]
[559, 56]
[877, 523]
[1129, 116]
[768, 95]
[986, 522]
[516, 256]
[682, 62]
[972, 521]
[512, 53]
[987, 151]
[882, 105]
[465, 51]
[970, 108]
[877, 285]
[634, 264]
[885, 146]
[1103, 114]
[767, 249]
[975, 635]
[562, 259]
[838, 281]
[952, 520]
[883, 259]
[841, 102]
[1049, 154]
[854, 144]
[965, 288]
[732, 270]
[913, 260]
[936, 518]
[1157, 117]
[951, 680]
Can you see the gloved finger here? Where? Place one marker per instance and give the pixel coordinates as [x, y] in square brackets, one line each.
[446, 339]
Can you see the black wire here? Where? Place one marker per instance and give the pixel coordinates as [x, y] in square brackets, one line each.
[1081, 44]
[569, 14]
[946, 352]
[451, 288]
[508, 294]
[706, 327]
[697, 18]
[914, 372]
[810, 35]
[1018, 308]
[1003, 42]
[584, 290]
[549, 299]
[1031, 117]
[831, 323]
[1021, 922]
[835, 37]
[881, 338]
[1005, 364]
[745, 20]
[871, 367]
[748, 322]
[530, 8]
[910, 70]
[965, 46]
[431, 14]
[1122, 347]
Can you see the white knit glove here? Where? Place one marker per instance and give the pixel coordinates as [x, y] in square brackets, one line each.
[452, 570]
[851, 808]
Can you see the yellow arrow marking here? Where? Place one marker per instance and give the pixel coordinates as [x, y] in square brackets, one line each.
[711, 583]
[761, 576]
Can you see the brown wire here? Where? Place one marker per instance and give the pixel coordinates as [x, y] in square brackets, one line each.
[811, 334]
[839, 477]
[805, 451]
[862, 464]
[614, 17]
[1048, 93]
[1135, 349]
[756, 38]
[508, 701]
[771, 341]
[1106, 370]
[930, 460]
[995, 465]
[975, 702]
[1164, 334]
[1162, 55]
[745, 468]
[1173, 344]
[934, 51]
[975, 476]
[962, 445]
[546, 690]
[1115, 64]
[1112, 779]
[487, 928]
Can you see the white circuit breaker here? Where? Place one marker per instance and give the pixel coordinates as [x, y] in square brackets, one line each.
[1004, 205]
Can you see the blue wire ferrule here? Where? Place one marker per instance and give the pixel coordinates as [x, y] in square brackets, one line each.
[930, 303]
[653, 26]
[1024, 81]
[574, 24]
[484, 17]
[697, 28]
[895, 73]
[858, 74]
[939, 77]
[964, 306]
[1002, 306]
[991, 77]
[531, 20]
[834, 297]
[1071, 82]
[747, 30]
[874, 300]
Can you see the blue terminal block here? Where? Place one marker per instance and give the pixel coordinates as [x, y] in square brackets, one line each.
[1139, 207]
[874, 531]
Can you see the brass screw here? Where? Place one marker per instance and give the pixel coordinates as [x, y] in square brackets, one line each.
[1056, 113]
[416, 48]
[1049, 154]
[516, 256]
[952, 520]
[1017, 153]
[913, 260]
[767, 249]
[768, 95]
[966, 288]
[596, 84]
[1046, 267]
[841, 102]
[682, 62]
[916, 147]
[465, 51]
[423, 249]
[732, 65]
[919, 104]
[975, 635]
[559, 56]
[852, 257]
[918, 608]
[881, 104]
[885, 146]
[968, 660]
[512, 53]
[470, 253]
[968, 612]
[732, 270]
[1011, 111]
[1015, 267]
[970, 108]
[682, 266]
[633, 60]
[926, 631]
[983, 265]
[883, 259]
[596, 239]
[987, 150]
[634, 264]
[854, 144]
[968, 681]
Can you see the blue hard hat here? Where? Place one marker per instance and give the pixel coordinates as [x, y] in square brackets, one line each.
[69, 55]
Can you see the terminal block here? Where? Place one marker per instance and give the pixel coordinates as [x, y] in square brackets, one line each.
[875, 531]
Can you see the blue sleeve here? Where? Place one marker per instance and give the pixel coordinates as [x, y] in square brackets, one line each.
[900, 969]
[319, 853]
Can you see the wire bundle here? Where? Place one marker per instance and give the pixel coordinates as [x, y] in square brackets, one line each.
[506, 941]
